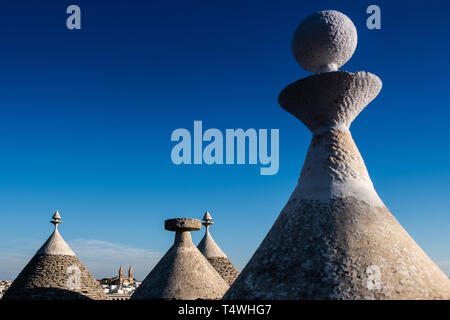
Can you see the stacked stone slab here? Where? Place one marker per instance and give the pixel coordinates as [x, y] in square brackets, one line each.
[218, 259]
[183, 273]
[55, 273]
[335, 239]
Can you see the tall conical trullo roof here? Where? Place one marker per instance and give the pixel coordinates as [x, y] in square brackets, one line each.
[183, 273]
[335, 238]
[55, 273]
[215, 255]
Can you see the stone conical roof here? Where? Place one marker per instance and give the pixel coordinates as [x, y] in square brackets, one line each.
[55, 273]
[55, 245]
[335, 238]
[209, 248]
[183, 273]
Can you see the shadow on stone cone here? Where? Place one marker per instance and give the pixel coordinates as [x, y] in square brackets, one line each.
[218, 259]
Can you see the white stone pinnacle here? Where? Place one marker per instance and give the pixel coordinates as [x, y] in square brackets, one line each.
[335, 230]
[56, 219]
[55, 245]
[207, 245]
[207, 220]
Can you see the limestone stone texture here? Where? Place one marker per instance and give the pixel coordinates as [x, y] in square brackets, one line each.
[215, 255]
[183, 273]
[324, 41]
[335, 238]
[55, 273]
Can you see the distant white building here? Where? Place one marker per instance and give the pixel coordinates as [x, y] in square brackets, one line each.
[4, 285]
[120, 288]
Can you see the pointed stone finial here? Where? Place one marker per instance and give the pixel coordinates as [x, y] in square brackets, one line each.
[207, 220]
[207, 245]
[207, 216]
[56, 219]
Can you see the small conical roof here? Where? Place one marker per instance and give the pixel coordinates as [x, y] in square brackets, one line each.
[207, 245]
[55, 273]
[218, 259]
[183, 272]
[55, 245]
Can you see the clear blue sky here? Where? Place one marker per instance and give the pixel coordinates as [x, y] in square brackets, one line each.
[86, 118]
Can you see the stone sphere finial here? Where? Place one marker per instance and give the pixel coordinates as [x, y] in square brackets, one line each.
[324, 41]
